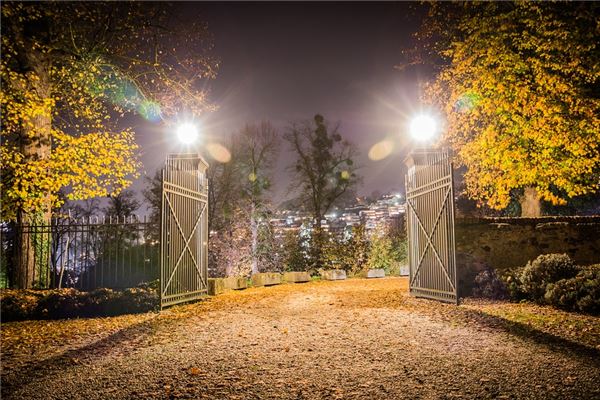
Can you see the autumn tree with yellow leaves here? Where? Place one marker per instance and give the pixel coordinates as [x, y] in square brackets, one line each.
[69, 72]
[519, 88]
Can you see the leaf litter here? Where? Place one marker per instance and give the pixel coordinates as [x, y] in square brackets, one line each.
[350, 339]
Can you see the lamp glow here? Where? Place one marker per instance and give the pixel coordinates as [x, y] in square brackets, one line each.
[187, 133]
[423, 128]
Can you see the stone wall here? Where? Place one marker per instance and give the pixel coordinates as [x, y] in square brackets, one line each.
[505, 243]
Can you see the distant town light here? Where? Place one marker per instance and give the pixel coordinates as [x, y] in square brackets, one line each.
[423, 127]
[187, 133]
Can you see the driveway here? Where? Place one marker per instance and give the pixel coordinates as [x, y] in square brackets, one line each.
[354, 339]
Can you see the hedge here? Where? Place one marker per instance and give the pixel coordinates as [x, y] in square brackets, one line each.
[17, 305]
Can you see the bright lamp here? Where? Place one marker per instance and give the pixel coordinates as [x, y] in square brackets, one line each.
[423, 128]
[187, 133]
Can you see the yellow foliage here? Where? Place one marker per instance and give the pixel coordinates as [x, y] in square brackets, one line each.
[55, 138]
[65, 83]
[516, 96]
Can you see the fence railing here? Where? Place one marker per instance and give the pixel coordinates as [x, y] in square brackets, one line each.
[83, 253]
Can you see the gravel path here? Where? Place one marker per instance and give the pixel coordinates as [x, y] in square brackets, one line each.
[331, 340]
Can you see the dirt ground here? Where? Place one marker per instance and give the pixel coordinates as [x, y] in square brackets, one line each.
[354, 339]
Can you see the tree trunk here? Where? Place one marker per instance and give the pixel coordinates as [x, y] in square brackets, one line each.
[35, 145]
[229, 267]
[531, 206]
[25, 256]
[317, 243]
[254, 228]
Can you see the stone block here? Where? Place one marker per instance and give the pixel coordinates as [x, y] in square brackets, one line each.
[376, 273]
[235, 283]
[215, 286]
[404, 270]
[296, 276]
[333, 275]
[266, 279]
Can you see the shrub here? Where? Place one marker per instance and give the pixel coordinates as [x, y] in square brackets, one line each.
[381, 253]
[68, 303]
[293, 249]
[60, 303]
[348, 251]
[100, 302]
[387, 252]
[488, 285]
[512, 282]
[137, 300]
[581, 293]
[544, 270]
[18, 305]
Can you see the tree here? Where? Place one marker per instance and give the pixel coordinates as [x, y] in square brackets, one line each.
[120, 211]
[293, 251]
[348, 251]
[258, 149]
[124, 204]
[229, 248]
[389, 248]
[223, 190]
[69, 71]
[323, 169]
[83, 209]
[519, 88]
[152, 193]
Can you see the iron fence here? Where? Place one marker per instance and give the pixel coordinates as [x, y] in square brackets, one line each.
[83, 253]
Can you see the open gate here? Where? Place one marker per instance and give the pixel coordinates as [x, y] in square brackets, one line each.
[430, 225]
[184, 229]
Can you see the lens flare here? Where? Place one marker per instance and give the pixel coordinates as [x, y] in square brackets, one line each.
[381, 150]
[149, 110]
[467, 102]
[122, 93]
[218, 152]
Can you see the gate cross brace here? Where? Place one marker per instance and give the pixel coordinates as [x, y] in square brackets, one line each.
[187, 244]
[429, 236]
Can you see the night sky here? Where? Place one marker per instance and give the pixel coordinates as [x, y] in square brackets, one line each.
[288, 61]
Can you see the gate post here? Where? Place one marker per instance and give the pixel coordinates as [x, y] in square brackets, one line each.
[430, 225]
[184, 229]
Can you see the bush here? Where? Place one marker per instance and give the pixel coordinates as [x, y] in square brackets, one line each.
[544, 270]
[388, 252]
[488, 285]
[68, 303]
[137, 300]
[581, 293]
[512, 282]
[100, 302]
[17, 305]
[348, 251]
[60, 303]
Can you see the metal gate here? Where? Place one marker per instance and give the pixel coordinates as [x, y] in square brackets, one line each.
[430, 225]
[184, 229]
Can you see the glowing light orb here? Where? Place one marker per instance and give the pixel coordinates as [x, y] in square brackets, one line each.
[149, 110]
[187, 133]
[345, 175]
[467, 102]
[381, 150]
[423, 128]
[218, 152]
